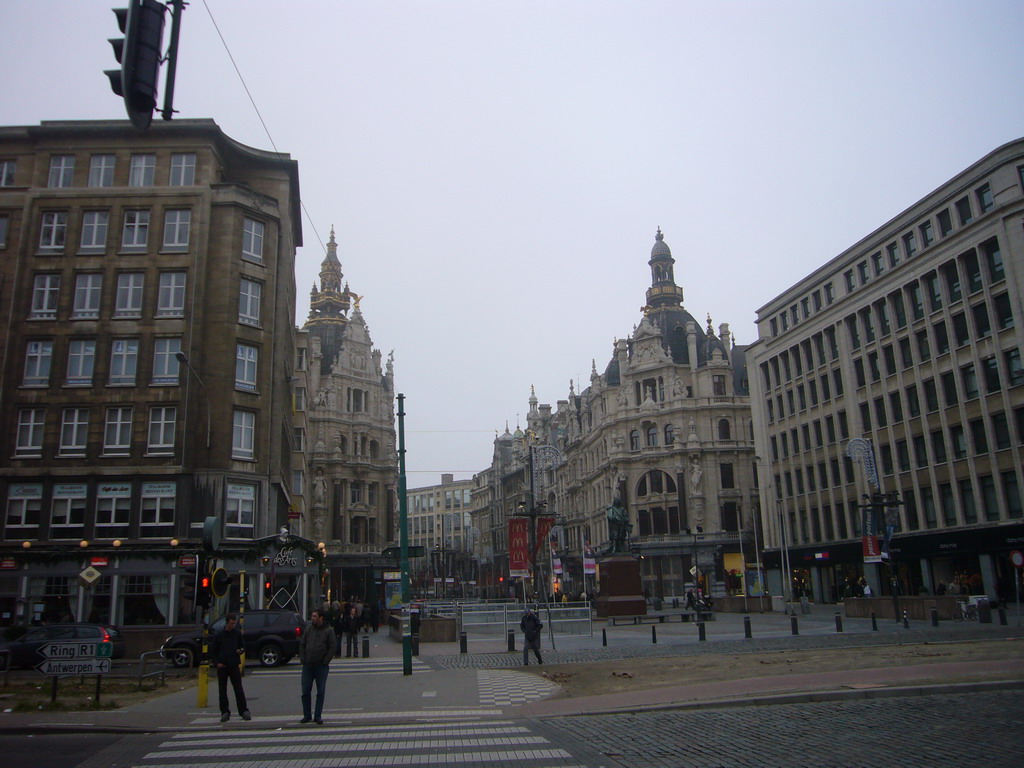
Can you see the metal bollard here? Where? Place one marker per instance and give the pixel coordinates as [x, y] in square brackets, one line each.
[416, 644]
[604, 637]
[511, 641]
[654, 635]
[463, 644]
[366, 646]
[839, 622]
[793, 626]
[701, 633]
[935, 616]
[874, 622]
[1002, 617]
[906, 620]
[746, 628]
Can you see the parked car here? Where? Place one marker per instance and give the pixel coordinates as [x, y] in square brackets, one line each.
[25, 650]
[272, 636]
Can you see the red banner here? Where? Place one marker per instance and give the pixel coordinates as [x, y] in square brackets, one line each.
[869, 537]
[519, 546]
[544, 525]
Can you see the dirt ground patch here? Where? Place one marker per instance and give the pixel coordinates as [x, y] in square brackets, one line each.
[591, 679]
[34, 693]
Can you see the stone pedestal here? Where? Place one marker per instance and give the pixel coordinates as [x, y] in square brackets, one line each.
[621, 593]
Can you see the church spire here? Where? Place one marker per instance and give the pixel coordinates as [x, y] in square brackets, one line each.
[330, 303]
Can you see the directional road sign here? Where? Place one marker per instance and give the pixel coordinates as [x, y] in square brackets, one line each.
[74, 667]
[76, 651]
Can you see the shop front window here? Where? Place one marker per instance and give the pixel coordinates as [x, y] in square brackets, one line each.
[98, 604]
[144, 600]
[52, 600]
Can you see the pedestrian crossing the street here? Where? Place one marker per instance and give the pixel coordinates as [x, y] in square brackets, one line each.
[364, 666]
[451, 741]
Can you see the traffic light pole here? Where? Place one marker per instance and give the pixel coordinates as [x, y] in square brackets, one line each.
[177, 7]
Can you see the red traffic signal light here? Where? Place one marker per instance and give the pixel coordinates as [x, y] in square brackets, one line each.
[139, 55]
[203, 596]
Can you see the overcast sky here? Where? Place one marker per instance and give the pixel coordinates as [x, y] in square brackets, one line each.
[496, 171]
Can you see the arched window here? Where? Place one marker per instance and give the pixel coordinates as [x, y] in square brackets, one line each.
[374, 449]
[652, 436]
[634, 441]
[723, 430]
[342, 444]
[670, 434]
[641, 487]
[655, 481]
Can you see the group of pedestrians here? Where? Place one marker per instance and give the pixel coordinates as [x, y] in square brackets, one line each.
[319, 644]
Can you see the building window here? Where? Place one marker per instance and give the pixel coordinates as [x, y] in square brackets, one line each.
[62, 171]
[952, 277]
[128, 302]
[893, 250]
[88, 287]
[243, 435]
[5, 223]
[45, 293]
[1004, 313]
[963, 211]
[724, 430]
[356, 400]
[240, 510]
[970, 378]
[1014, 371]
[300, 439]
[927, 234]
[726, 472]
[634, 440]
[157, 509]
[183, 169]
[101, 171]
[1011, 490]
[984, 195]
[161, 429]
[249, 294]
[246, 358]
[982, 324]
[298, 482]
[81, 362]
[252, 239]
[165, 361]
[136, 231]
[7, 169]
[117, 431]
[994, 260]
[141, 171]
[30, 432]
[910, 244]
[945, 222]
[38, 361]
[171, 297]
[299, 399]
[74, 427]
[67, 511]
[670, 433]
[53, 231]
[176, 226]
[960, 332]
[652, 436]
[113, 509]
[718, 385]
[972, 270]
[24, 503]
[124, 354]
[94, 232]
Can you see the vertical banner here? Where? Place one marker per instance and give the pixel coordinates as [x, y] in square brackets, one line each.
[589, 564]
[519, 546]
[543, 529]
[869, 539]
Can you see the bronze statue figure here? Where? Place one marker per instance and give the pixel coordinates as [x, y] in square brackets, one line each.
[619, 527]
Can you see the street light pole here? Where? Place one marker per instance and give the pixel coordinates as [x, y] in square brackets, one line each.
[183, 358]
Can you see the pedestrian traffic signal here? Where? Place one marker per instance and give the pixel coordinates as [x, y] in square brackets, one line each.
[139, 55]
[203, 594]
[268, 591]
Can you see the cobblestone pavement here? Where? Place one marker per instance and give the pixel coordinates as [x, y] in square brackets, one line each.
[969, 730]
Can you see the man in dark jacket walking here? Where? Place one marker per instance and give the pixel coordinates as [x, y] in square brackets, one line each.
[531, 626]
[316, 649]
[351, 626]
[226, 652]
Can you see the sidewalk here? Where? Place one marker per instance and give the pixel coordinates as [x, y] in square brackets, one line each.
[445, 682]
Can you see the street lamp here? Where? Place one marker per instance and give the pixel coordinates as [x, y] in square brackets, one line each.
[183, 358]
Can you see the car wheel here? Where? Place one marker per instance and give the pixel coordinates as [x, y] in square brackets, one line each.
[180, 657]
[271, 656]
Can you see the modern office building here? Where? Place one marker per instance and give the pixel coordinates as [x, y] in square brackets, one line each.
[911, 341]
[439, 521]
[147, 343]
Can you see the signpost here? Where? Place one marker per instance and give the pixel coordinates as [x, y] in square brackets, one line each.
[75, 658]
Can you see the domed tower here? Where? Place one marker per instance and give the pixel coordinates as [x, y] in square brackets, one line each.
[329, 304]
[663, 293]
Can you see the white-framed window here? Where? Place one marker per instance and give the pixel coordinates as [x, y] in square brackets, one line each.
[94, 232]
[88, 290]
[136, 231]
[298, 482]
[162, 419]
[113, 506]
[141, 171]
[7, 169]
[252, 239]
[176, 226]
[124, 358]
[128, 302]
[62, 171]
[53, 230]
[74, 428]
[30, 432]
[165, 362]
[246, 358]
[117, 430]
[299, 399]
[5, 223]
[38, 361]
[300, 359]
[300, 439]
[243, 435]
[171, 298]
[240, 510]
[183, 169]
[67, 510]
[157, 507]
[250, 293]
[24, 502]
[45, 293]
[101, 171]
[81, 362]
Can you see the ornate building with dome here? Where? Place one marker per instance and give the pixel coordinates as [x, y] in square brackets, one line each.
[665, 428]
[346, 412]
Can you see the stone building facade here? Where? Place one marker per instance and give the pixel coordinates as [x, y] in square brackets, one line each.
[348, 408]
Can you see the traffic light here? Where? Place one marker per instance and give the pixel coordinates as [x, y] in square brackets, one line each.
[138, 53]
[220, 582]
[203, 594]
[268, 591]
[188, 581]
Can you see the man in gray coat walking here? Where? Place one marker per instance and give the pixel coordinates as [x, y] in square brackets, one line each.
[316, 649]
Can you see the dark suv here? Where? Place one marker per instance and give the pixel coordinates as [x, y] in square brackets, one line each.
[271, 636]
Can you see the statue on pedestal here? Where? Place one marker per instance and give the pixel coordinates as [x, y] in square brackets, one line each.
[619, 527]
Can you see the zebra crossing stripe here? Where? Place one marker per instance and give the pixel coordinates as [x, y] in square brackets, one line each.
[363, 668]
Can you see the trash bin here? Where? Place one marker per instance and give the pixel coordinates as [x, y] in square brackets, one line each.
[984, 610]
[805, 605]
